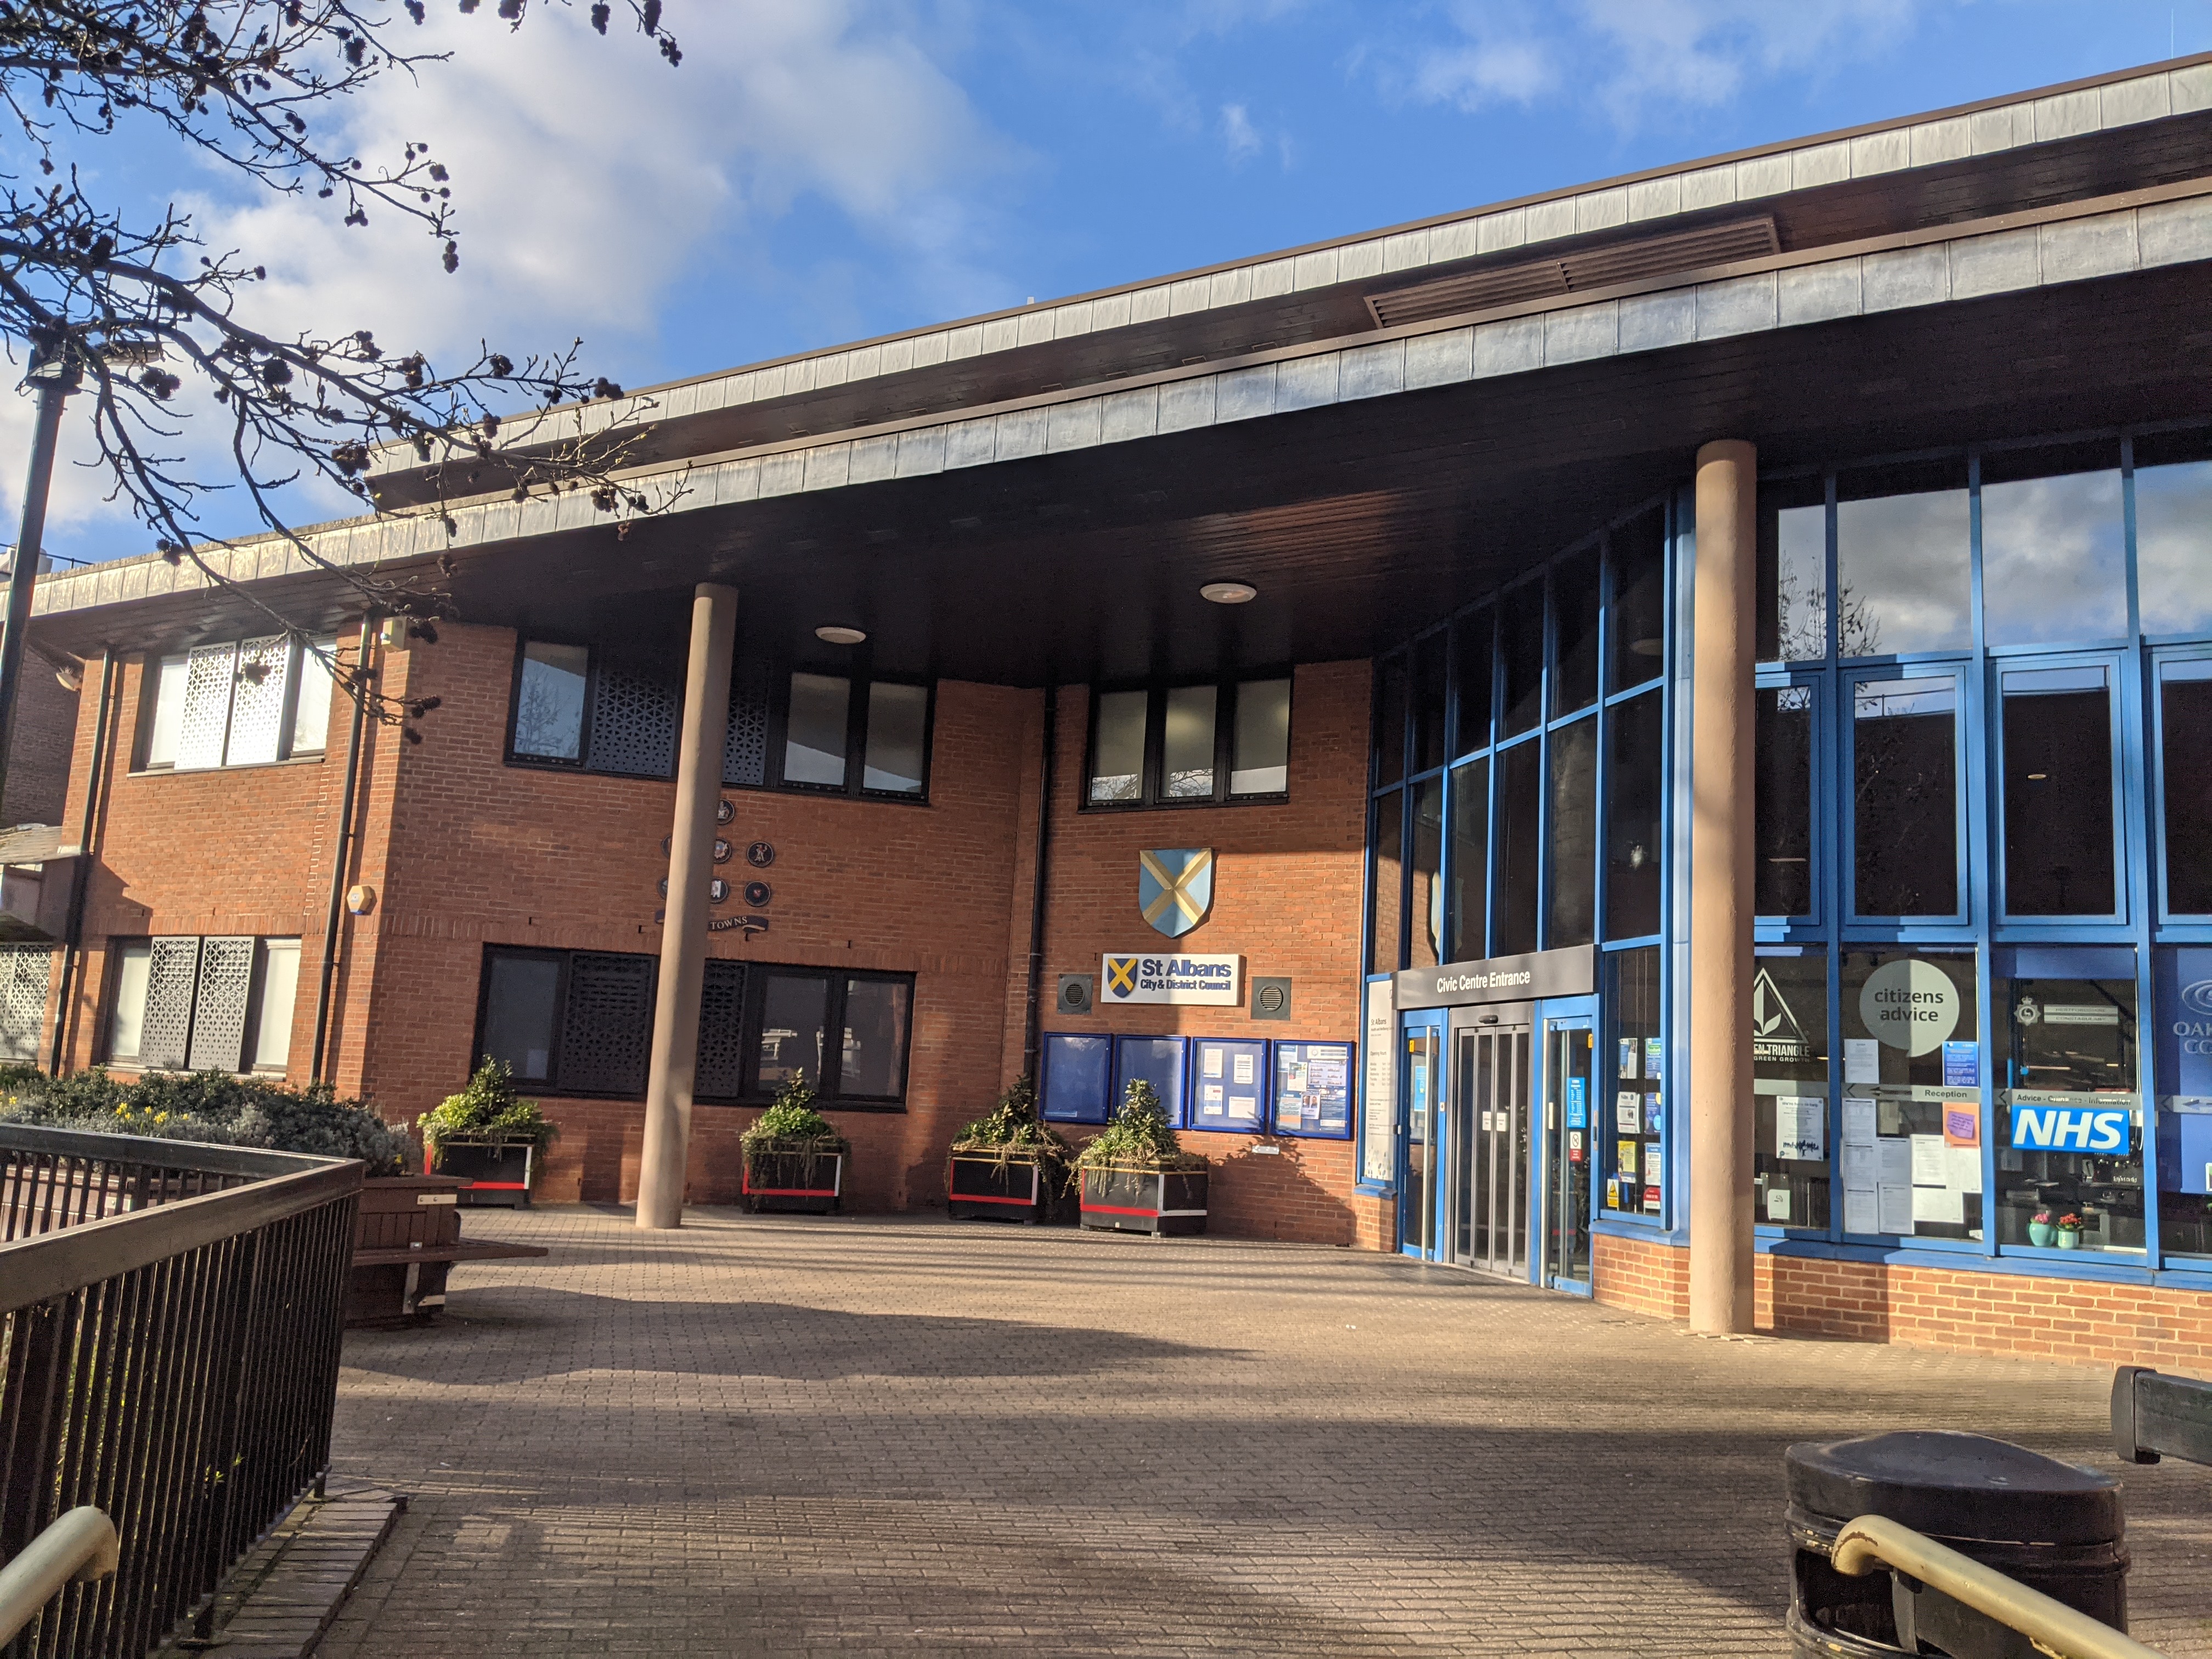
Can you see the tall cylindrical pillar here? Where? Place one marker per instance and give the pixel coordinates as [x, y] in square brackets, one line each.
[675, 1059]
[1722, 648]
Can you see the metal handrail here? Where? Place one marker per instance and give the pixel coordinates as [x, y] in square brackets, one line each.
[79, 1547]
[1875, 1540]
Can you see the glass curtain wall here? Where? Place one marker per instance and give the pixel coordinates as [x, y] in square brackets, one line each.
[1518, 790]
[1982, 1021]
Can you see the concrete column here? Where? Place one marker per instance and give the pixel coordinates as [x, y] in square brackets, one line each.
[684, 934]
[1722, 648]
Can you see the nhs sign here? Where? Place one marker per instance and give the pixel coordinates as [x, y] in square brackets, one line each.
[2109, 1130]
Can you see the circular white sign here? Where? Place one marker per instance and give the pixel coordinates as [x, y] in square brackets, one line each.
[1910, 1004]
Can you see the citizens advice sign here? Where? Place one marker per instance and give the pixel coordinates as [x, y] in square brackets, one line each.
[1166, 977]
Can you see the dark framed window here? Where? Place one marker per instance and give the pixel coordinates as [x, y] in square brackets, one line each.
[1212, 743]
[580, 1023]
[578, 708]
[243, 703]
[185, 1003]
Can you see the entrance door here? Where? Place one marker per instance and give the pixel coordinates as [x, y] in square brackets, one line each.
[1569, 1046]
[1486, 1198]
[1422, 1075]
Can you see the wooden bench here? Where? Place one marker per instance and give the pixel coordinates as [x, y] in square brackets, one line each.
[406, 1239]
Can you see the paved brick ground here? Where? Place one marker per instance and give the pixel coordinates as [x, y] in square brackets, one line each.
[766, 1436]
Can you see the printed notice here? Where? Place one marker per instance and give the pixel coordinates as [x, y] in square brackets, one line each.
[1628, 1112]
[1245, 1108]
[1623, 1158]
[1894, 1203]
[1895, 1166]
[1939, 1205]
[1859, 1169]
[1861, 1059]
[1209, 1099]
[1860, 1214]
[1777, 1203]
[1801, 1127]
[1241, 1071]
[1962, 1169]
[1858, 1123]
[1930, 1167]
[1210, 1062]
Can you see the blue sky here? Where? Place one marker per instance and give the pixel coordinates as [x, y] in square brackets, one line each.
[824, 170]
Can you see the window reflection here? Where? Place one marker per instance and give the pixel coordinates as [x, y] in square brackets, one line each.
[1521, 644]
[1781, 815]
[548, 709]
[2058, 792]
[1385, 881]
[2173, 545]
[1634, 769]
[1573, 909]
[1474, 652]
[1901, 571]
[1909, 1153]
[2181, 989]
[1390, 719]
[1637, 552]
[1428, 906]
[792, 1014]
[814, 732]
[1793, 570]
[1790, 1088]
[2054, 559]
[1520, 798]
[1428, 693]
[1574, 623]
[1118, 766]
[1187, 744]
[1905, 821]
[1470, 845]
[2185, 697]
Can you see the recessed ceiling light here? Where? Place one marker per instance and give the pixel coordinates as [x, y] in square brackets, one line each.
[833, 634]
[1229, 593]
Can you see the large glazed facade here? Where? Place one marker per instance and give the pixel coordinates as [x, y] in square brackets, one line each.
[1697, 797]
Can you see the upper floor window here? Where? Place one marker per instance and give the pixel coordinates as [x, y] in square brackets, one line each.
[244, 703]
[1201, 744]
[185, 1003]
[576, 707]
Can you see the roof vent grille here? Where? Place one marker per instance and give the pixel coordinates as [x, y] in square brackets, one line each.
[1576, 272]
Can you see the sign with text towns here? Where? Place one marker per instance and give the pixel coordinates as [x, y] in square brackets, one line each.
[1164, 978]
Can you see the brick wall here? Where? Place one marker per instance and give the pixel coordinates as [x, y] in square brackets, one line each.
[39, 755]
[1961, 1310]
[1286, 894]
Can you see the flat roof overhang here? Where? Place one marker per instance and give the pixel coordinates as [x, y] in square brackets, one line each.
[1358, 518]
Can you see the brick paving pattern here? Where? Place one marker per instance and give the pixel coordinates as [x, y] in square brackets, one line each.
[791, 1436]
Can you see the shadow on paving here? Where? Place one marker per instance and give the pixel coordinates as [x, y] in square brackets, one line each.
[518, 1333]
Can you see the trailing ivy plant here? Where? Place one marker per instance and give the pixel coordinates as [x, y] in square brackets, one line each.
[790, 1124]
[488, 1109]
[1139, 1138]
[1014, 1132]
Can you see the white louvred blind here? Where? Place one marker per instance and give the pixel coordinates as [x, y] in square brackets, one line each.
[206, 722]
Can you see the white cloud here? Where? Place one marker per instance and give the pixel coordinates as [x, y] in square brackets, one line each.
[592, 180]
[1237, 133]
[1484, 72]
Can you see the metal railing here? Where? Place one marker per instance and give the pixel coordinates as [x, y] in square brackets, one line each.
[2156, 1415]
[169, 1326]
[79, 1548]
[1874, 1541]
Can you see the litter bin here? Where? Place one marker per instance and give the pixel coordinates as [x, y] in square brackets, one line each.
[2055, 1527]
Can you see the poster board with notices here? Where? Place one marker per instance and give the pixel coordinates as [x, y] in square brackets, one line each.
[1313, 1090]
[1228, 1087]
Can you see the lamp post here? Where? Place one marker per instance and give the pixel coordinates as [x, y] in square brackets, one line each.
[57, 372]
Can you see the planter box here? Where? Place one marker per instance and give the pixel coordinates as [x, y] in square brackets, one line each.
[494, 1172]
[1167, 1201]
[979, 1187]
[407, 1236]
[793, 1183]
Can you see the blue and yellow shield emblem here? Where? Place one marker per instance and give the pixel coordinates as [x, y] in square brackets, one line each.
[1174, 888]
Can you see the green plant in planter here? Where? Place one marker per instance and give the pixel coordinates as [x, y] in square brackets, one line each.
[1014, 1131]
[1139, 1138]
[791, 1125]
[214, 1107]
[488, 1109]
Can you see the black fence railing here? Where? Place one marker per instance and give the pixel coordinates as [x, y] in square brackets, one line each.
[169, 1328]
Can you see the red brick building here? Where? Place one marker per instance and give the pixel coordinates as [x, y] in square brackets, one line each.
[1650, 736]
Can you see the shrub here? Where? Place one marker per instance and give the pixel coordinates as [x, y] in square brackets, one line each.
[791, 1125]
[488, 1109]
[1014, 1128]
[211, 1107]
[1138, 1137]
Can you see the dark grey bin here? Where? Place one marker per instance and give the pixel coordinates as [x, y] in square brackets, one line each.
[2055, 1527]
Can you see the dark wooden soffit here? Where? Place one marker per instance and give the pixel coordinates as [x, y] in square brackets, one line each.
[1355, 521]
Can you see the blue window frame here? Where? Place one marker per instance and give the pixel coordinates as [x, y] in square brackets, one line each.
[1158, 1061]
[1078, 1076]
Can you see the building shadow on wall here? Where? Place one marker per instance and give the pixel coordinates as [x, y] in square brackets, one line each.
[513, 1334]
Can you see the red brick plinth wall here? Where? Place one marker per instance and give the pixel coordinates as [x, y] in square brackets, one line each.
[1961, 1310]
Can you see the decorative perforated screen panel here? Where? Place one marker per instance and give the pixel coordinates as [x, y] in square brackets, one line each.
[25, 973]
[744, 751]
[634, 725]
[208, 678]
[607, 1025]
[171, 973]
[721, 1030]
[219, 1006]
[257, 706]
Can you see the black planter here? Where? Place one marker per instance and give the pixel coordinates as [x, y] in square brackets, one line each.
[1168, 1201]
[980, 1187]
[793, 1183]
[499, 1172]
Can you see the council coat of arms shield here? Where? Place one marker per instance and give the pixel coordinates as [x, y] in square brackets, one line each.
[1174, 887]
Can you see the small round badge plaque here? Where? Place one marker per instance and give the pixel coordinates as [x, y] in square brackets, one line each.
[761, 855]
[757, 894]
